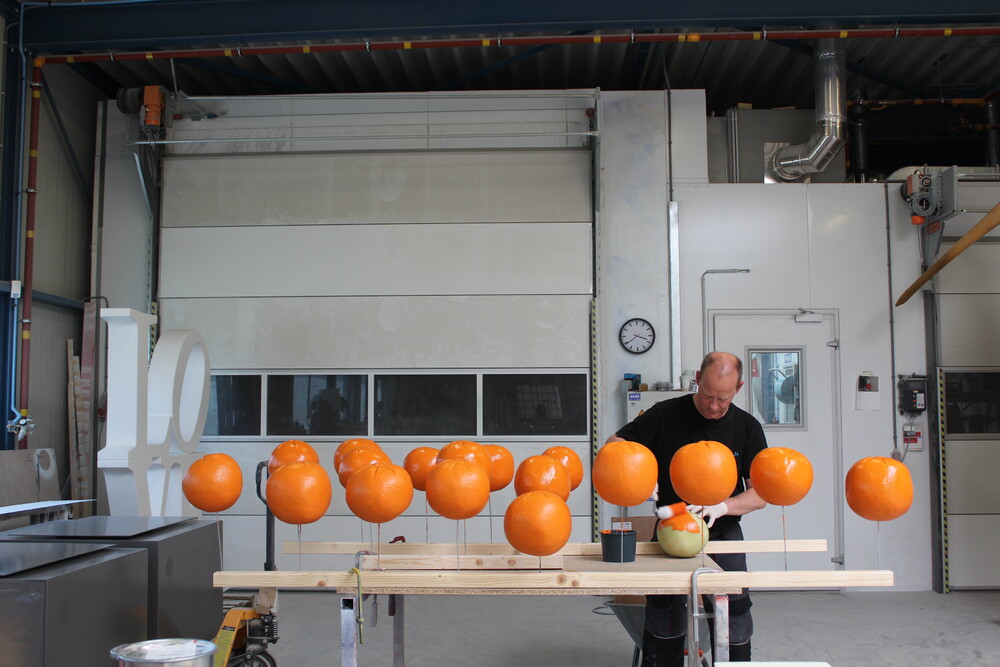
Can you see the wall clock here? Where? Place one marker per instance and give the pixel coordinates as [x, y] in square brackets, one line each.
[637, 335]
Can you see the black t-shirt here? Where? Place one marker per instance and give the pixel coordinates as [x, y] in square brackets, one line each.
[671, 424]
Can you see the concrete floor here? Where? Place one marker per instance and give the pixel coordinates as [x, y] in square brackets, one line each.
[914, 629]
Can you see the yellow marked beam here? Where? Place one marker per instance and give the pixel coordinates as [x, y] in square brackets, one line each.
[306, 49]
[149, 55]
[694, 37]
[33, 152]
[947, 32]
[228, 53]
[486, 42]
[843, 34]
[30, 233]
[407, 45]
[25, 335]
[757, 35]
[38, 62]
[597, 39]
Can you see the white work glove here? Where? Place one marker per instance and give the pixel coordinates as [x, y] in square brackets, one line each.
[709, 514]
[668, 511]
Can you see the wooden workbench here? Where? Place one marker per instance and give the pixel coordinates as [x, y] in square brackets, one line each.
[582, 572]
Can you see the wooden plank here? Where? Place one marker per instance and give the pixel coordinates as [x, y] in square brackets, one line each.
[537, 583]
[436, 562]
[76, 490]
[85, 412]
[574, 549]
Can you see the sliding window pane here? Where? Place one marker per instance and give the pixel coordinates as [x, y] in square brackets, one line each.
[317, 405]
[425, 405]
[535, 404]
[234, 405]
[972, 402]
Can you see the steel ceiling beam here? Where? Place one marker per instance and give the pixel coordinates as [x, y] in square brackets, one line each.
[64, 27]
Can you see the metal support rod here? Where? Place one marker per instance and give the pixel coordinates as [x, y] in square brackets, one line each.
[398, 638]
[348, 633]
[720, 651]
[674, 269]
[704, 305]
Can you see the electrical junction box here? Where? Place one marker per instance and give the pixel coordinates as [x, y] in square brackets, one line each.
[913, 438]
[912, 394]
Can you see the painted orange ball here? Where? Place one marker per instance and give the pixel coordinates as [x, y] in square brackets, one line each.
[213, 483]
[299, 492]
[538, 523]
[703, 473]
[501, 466]
[542, 473]
[291, 451]
[356, 459]
[879, 488]
[458, 489]
[781, 475]
[348, 445]
[624, 473]
[466, 450]
[380, 492]
[418, 464]
[571, 460]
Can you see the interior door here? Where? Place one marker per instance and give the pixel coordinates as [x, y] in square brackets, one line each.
[790, 369]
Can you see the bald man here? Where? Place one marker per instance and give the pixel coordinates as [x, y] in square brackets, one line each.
[666, 427]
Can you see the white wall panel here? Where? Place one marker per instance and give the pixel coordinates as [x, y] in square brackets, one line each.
[973, 471]
[390, 332]
[376, 260]
[525, 186]
[975, 564]
[50, 329]
[62, 220]
[394, 121]
[969, 326]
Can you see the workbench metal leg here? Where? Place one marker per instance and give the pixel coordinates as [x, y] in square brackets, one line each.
[348, 633]
[396, 611]
[720, 652]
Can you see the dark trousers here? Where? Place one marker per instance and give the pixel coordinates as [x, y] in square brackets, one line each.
[664, 634]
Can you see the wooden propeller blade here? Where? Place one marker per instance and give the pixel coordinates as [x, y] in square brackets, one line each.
[978, 231]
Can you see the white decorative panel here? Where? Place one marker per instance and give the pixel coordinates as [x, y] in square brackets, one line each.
[282, 189]
[546, 331]
[317, 260]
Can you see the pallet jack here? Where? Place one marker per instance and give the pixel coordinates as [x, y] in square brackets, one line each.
[250, 623]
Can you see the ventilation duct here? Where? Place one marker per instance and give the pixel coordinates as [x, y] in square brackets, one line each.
[791, 163]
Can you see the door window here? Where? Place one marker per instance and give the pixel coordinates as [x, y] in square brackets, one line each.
[775, 378]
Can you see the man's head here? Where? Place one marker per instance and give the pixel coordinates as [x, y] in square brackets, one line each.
[720, 377]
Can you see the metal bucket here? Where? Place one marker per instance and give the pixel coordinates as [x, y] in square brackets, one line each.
[176, 652]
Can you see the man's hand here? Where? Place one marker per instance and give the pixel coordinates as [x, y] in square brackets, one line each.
[668, 511]
[709, 514]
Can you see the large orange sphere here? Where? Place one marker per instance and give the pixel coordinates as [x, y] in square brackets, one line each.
[379, 492]
[458, 489]
[879, 488]
[542, 473]
[703, 473]
[781, 476]
[291, 451]
[418, 464]
[501, 466]
[348, 445]
[213, 483]
[466, 450]
[356, 459]
[538, 523]
[624, 473]
[570, 459]
[299, 492]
